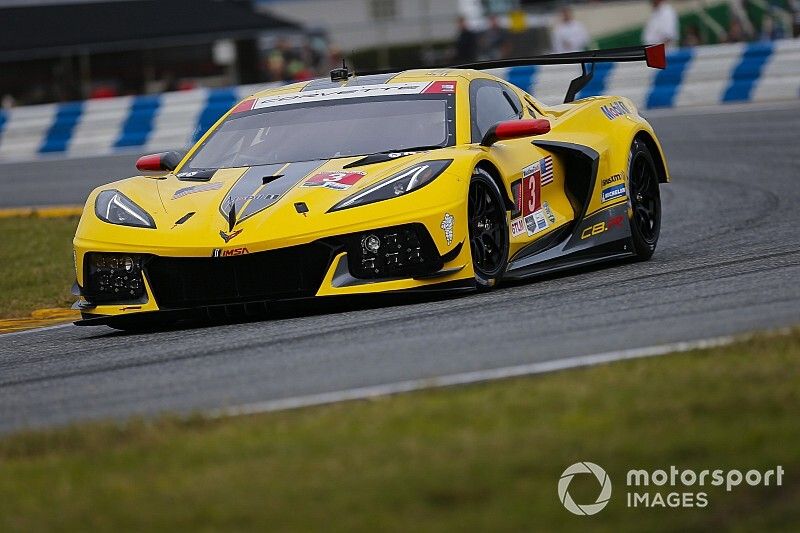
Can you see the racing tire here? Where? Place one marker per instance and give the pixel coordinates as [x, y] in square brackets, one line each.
[645, 201]
[488, 230]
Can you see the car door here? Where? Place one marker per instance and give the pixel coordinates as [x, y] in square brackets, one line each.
[533, 176]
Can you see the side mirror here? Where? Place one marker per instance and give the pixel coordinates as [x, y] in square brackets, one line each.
[159, 162]
[515, 129]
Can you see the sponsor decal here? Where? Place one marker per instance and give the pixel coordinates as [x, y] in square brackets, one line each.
[615, 109]
[186, 191]
[610, 193]
[602, 227]
[266, 197]
[218, 252]
[447, 225]
[228, 236]
[340, 180]
[613, 179]
[441, 87]
[549, 212]
[517, 227]
[536, 222]
[340, 93]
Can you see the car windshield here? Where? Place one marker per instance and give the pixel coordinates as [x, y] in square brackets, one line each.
[326, 130]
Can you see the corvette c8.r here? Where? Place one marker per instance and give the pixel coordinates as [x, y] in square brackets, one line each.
[448, 179]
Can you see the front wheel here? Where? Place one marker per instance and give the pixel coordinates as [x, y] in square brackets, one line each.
[645, 201]
[488, 230]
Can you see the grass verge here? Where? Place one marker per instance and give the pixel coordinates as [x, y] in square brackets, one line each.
[482, 457]
[36, 269]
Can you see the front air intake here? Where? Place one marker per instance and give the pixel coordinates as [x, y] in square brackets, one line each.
[295, 272]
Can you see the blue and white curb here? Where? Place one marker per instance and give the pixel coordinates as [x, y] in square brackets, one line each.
[708, 75]
[104, 126]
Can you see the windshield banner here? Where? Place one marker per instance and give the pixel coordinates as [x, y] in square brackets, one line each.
[358, 91]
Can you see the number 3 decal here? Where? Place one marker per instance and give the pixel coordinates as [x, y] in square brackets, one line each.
[531, 187]
[532, 196]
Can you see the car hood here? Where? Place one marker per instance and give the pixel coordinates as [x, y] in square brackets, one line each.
[251, 191]
[269, 203]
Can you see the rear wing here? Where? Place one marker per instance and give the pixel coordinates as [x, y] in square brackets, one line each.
[653, 55]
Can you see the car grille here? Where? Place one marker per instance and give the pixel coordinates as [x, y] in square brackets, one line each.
[295, 272]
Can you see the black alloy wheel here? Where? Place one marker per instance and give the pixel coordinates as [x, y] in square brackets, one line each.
[488, 229]
[645, 201]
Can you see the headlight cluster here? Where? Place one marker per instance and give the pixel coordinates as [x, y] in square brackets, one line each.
[114, 207]
[401, 183]
[113, 278]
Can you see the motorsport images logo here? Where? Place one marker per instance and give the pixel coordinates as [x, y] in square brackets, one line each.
[663, 488]
[584, 468]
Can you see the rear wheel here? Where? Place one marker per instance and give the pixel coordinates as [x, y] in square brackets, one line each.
[645, 201]
[488, 230]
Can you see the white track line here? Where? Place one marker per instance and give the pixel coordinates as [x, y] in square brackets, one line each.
[464, 378]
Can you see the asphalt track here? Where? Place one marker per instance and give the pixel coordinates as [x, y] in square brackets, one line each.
[60, 181]
[728, 262]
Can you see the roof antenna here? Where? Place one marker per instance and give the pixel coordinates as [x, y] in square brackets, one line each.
[342, 73]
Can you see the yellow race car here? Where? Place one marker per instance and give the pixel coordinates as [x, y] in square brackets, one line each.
[430, 179]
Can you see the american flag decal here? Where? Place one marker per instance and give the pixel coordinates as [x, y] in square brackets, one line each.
[546, 166]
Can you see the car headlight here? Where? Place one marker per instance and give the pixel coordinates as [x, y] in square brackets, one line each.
[396, 185]
[114, 207]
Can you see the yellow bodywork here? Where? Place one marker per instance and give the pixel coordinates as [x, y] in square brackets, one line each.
[582, 122]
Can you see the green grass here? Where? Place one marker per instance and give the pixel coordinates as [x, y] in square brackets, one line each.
[484, 457]
[36, 268]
